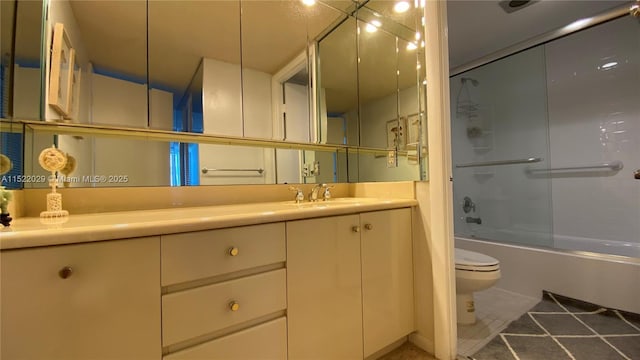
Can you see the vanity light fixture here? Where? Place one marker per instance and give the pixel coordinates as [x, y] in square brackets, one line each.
[411, 46]
[309, 2]
[401, 6]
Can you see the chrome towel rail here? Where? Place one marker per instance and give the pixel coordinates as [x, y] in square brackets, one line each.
[500, 162]
[615, 165]
[206, 170]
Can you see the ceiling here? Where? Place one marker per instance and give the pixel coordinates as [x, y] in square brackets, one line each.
[480, 27]
[181, 33]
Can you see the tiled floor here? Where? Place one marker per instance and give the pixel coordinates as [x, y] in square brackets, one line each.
[408, 351]
[564, 328]
[495, 309]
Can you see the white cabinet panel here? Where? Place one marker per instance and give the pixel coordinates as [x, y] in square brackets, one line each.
[107, 308]
[191, 313]
[201, 254]
[387, 278]
[323, 289]
[266, 341]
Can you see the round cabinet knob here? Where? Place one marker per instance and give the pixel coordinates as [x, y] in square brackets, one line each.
[368, 226]
[65, 272]
[355, 229]
[234, 306]
[233, 251]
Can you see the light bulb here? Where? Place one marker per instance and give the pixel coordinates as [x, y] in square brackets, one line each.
[401, 6]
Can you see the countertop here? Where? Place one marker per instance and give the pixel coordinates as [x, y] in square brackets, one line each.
[31, 232]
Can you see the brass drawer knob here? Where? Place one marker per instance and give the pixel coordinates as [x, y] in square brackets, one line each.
[65, 272]
[355, 229]
[234, 251]
[234, 306]
[368, 226]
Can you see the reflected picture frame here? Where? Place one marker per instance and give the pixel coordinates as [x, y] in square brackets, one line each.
[62, 72]
[413, 128]
[397, 134]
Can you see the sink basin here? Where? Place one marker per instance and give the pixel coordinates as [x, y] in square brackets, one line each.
[335, 202]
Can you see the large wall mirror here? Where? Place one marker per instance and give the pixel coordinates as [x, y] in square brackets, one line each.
[298, 72]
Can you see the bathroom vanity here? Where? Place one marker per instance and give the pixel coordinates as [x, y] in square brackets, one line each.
[268, 280]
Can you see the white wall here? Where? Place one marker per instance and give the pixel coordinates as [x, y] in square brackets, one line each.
[123, 103]
[222, 98]
[118, 102]
[26, 83]
[594, 115]
[256, 102]
[234, 157]
[222, 115]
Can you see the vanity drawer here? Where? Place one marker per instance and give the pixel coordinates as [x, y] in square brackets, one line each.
[201, 254]
[206, 309]
[265, 341]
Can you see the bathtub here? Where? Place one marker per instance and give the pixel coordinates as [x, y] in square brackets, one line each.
[622, 248]
[608, 280]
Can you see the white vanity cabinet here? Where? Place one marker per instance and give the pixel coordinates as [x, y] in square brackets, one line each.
[84, 301]
[324, 295]
[224, 293]
[349, 284]
[387, 277]
[319, 283]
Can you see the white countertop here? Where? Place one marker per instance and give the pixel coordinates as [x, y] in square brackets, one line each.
[31, 232]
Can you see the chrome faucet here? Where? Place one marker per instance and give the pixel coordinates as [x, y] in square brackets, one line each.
[313, 195]
[299, 194]
[472, 220]
[326, 194]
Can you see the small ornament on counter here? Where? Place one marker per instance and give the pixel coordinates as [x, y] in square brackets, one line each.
[52, 159]
[69, 168]
[5, 195]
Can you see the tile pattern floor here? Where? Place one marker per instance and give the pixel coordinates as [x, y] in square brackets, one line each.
[564, 328]
[408, 351]
[495, 309]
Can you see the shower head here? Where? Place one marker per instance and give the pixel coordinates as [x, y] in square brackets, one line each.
[473, 81]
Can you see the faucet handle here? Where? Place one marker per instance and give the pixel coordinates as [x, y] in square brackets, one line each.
[299, 194]
[326, 194]
[313, 195]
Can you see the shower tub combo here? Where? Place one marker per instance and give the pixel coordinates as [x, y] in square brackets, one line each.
[545, 143]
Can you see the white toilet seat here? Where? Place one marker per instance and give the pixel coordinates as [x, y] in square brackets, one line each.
[472, 261]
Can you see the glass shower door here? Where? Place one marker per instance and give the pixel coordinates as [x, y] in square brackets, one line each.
[499, 132]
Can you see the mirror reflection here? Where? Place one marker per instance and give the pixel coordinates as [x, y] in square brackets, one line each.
[20, 69]
[250, 69]
[110, 167]
[338, 79]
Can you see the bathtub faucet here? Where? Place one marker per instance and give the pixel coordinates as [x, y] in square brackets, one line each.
[471, 220]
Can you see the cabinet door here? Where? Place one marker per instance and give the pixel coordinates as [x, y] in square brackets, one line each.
[108, 307]
[266, 341]
[324, 289]
[387, 277]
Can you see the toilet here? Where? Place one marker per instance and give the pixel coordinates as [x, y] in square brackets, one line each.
[474, 272]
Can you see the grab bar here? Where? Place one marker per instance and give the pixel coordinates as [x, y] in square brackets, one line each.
[206, 170]
[615, 165]
[500, 162]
